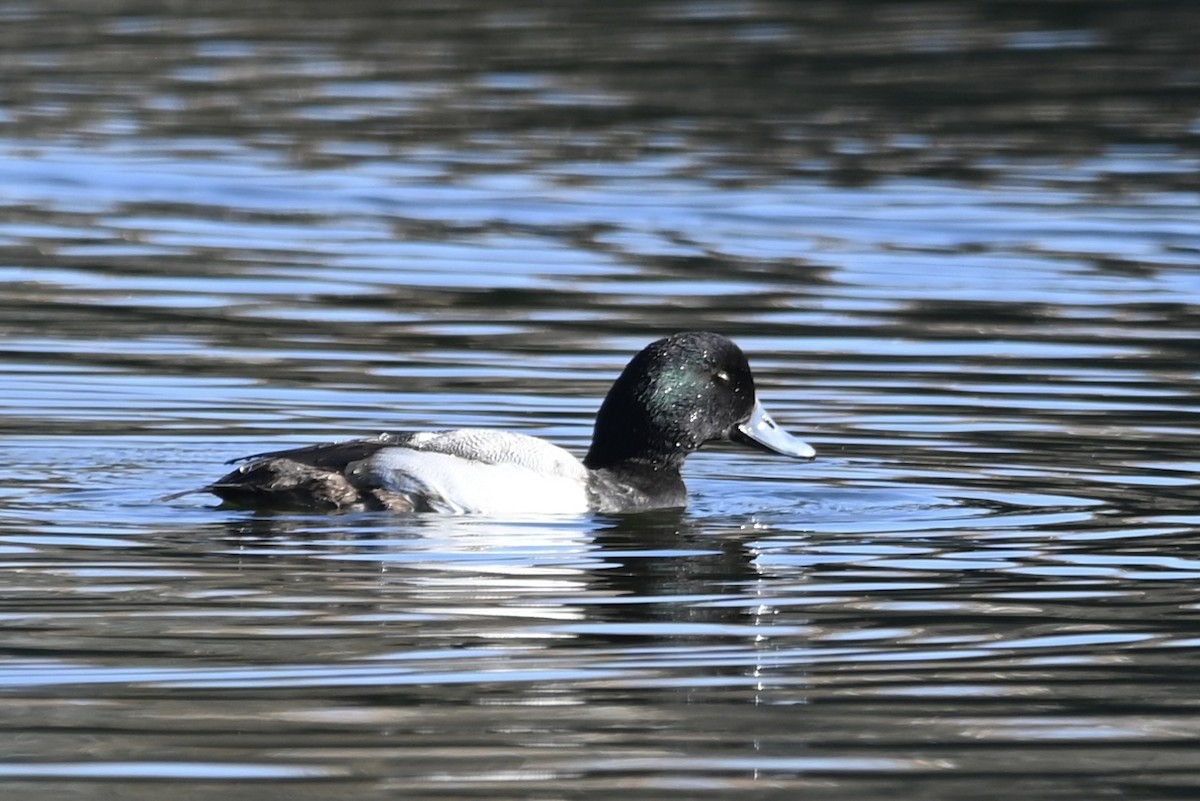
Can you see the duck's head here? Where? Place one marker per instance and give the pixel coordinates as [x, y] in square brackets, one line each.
[679, 393]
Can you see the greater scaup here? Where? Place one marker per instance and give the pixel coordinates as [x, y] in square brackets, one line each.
[677, 394]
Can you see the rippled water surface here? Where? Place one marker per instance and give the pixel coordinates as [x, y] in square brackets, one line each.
[959, 243]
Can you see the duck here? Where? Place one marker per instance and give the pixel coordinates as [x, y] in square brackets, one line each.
[677, 394]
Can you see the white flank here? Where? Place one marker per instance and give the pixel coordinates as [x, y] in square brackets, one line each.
[451, 483]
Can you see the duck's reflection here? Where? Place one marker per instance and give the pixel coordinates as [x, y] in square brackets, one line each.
[442, 626]
[658, 574]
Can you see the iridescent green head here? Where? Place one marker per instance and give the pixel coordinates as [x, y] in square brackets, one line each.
[677, 394]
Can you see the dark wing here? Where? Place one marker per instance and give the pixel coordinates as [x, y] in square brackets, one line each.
[311, 477]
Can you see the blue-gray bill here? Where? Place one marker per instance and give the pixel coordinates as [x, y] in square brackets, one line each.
[762, 432]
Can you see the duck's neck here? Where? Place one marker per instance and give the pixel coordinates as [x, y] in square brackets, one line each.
[634, 486]
[637, 444]
[623, 456]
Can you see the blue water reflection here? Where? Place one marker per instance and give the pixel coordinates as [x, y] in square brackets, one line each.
[959, 247]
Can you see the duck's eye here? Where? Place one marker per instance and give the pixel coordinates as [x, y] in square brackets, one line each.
[722, 378]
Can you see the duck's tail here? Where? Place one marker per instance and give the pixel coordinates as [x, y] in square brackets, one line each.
[174, 496]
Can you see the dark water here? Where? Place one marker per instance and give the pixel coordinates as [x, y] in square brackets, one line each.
[958, 240]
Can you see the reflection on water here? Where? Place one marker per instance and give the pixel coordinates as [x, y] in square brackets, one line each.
[957, 242]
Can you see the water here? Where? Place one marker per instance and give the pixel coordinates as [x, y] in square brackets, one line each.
[959, 244]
